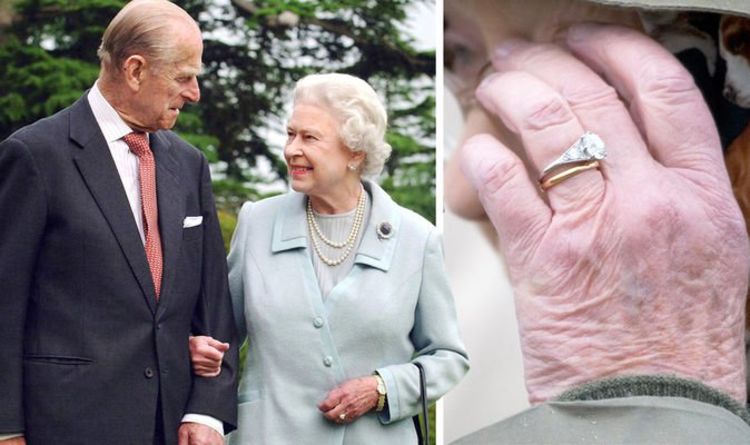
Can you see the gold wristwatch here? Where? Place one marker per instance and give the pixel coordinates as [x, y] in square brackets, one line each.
[381, 392]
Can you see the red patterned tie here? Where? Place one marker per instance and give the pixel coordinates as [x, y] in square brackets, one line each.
[138, 143]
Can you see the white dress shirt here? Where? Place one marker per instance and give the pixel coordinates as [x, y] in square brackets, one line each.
[114, 129]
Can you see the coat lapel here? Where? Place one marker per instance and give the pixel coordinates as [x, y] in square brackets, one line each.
[290, 234]
[95, 164]
[171, 211]
[290, 228]
[374, 250]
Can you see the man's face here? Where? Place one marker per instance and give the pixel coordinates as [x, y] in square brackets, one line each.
[165, 89]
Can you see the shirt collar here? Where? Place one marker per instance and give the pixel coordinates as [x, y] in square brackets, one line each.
[112, 126]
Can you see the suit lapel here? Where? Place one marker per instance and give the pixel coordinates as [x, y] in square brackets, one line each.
[171, 211]
[99, 172]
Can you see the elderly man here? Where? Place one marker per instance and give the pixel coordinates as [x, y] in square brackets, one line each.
[111, 255]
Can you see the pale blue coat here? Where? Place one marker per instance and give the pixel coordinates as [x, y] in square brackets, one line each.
[395, 306]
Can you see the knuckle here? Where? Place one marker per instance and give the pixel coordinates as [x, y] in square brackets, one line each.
[669, 84]
[548, 111]
[591, 97]
[495, 174]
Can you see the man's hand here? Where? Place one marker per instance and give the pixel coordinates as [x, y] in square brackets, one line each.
[350, 400]
[14, 441]
[198, 434]
[206, 354]
[639, 266]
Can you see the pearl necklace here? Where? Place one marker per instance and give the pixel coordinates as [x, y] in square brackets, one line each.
[347, 244]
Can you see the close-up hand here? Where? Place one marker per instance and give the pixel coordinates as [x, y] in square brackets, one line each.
[206, 354]
[350, 400]
[198, 434]
[638, 266]
[14, 441]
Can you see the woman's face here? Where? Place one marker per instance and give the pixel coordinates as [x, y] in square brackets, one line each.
[315, 155]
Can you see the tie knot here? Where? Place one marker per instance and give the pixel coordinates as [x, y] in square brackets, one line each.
[138, 143]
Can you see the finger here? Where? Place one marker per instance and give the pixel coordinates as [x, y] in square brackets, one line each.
[335, 414]
[210, 367]
[206, 372]
[594, 102]
[508, 195]
[663, 98]
[183, 435]
[223, 347]
[206, 363]
[333, 399]
[209, 353]
[546, 125]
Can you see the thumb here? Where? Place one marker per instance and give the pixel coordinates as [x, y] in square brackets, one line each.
[223, 347]
[508, 196]
[183, 435]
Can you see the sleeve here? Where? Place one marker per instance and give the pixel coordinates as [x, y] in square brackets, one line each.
[236, 261]
[23, 202]
[436, 340]
[211, 422]
[215, 396]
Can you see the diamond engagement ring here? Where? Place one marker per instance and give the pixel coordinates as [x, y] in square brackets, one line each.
[589, 147]
[342, 417]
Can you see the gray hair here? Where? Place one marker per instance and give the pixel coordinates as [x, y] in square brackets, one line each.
[357, 108]
[144, 27]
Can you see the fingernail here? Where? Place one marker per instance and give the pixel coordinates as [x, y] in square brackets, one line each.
[505, 49]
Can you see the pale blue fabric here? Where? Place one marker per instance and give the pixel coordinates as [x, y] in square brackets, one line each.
[641, 420]
[395, 306]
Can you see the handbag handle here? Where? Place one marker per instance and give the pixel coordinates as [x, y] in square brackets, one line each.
[424, 438]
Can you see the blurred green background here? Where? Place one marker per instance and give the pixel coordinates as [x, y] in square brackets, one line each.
[254, 52]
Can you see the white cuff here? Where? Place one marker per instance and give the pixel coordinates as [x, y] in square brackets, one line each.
[10, 436]
[203, 419]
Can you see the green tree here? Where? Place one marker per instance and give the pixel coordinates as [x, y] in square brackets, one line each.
[254, 51]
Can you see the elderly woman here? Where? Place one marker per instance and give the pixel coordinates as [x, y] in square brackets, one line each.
[593, 150]
[338, 289]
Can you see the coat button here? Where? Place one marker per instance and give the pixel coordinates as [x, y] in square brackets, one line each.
[318, 322]
[149, 373]
[328, 361]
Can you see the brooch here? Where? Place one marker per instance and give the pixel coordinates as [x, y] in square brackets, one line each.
[384, 230]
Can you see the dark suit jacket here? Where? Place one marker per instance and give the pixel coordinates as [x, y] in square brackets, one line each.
[85, 350]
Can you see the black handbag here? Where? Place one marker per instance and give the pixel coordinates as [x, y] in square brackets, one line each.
[422, 435]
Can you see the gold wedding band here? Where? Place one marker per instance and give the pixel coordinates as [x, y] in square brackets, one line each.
[547, 181]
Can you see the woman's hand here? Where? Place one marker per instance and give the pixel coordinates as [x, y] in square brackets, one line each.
[350, 400]
[640, 266]
[206, 353]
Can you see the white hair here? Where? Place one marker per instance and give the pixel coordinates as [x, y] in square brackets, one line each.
[358, 110]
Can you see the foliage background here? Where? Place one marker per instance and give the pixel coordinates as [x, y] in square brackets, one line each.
[254, 52]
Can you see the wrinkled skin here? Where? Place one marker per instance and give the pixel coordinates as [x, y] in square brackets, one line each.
[354, 398]
[639, 267]
[198, 434]
[206, 354]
